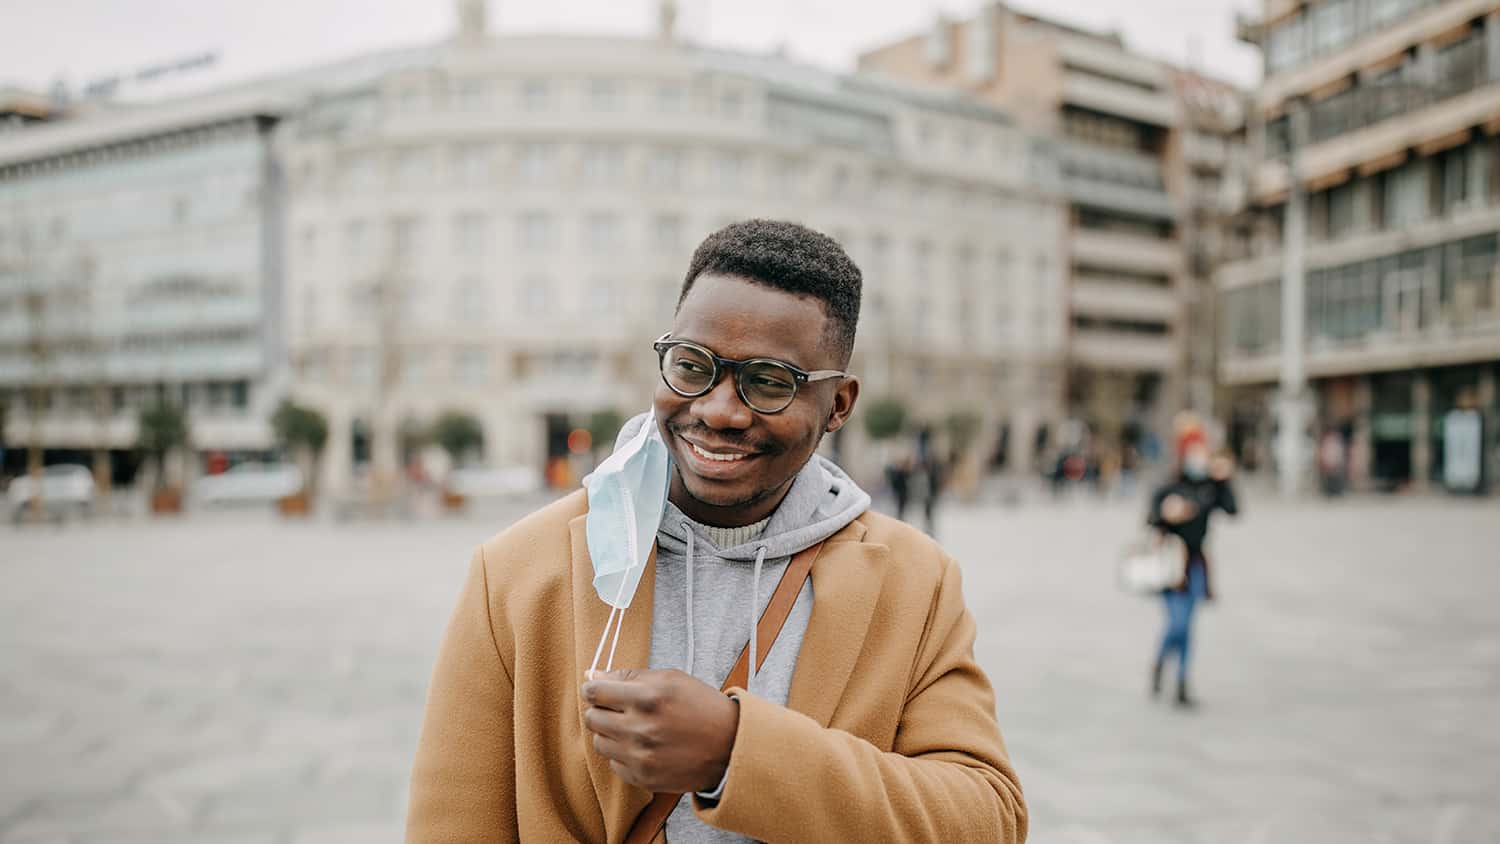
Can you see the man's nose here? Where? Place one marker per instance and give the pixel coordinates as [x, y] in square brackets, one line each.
[722, 408]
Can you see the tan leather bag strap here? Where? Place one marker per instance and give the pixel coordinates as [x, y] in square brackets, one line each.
[652, 819]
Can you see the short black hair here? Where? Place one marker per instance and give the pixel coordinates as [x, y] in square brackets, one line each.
[790, 257]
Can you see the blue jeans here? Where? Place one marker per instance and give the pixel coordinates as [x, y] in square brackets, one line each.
[1180, 605]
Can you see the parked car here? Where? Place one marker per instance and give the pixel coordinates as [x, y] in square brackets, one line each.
[484, 482]
[67, 490]
[249, 483]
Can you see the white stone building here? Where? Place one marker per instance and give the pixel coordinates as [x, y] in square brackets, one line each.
[503, 227]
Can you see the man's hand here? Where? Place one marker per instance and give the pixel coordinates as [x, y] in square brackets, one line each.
[661, 730]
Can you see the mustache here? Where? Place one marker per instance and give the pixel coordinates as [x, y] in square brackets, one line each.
[732, 439]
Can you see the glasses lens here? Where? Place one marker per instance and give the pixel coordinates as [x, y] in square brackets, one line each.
[687, 369]
[768, 387]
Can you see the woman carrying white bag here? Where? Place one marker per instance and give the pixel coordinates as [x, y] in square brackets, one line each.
[1181, 510]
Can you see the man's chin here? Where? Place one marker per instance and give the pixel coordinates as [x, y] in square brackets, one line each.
[719, 497]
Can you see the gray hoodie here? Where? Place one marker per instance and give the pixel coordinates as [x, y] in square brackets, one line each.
[703, 607]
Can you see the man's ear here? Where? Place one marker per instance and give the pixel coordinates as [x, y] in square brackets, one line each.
[843, 404]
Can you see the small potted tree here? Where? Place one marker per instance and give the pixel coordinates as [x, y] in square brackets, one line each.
[303, 433]
[161, 429]
[603, 426]
[460, 435]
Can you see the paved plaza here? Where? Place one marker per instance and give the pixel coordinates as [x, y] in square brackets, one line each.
[236, 678]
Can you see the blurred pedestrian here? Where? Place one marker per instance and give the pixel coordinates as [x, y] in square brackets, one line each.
[1182, 507]
[898, 477]
[1332, 459]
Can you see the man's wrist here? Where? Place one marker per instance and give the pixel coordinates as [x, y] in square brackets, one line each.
[715, 791]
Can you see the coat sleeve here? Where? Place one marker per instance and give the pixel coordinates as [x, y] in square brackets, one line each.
[947, 777]
[463, 785]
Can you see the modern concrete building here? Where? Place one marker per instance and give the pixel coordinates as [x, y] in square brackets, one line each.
[499, 225]
[1393, 107]
[1130, 176]
[140, 258]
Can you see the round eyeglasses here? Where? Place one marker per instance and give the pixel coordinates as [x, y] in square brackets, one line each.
[765, 385]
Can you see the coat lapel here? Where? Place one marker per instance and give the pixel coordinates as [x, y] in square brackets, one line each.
[616, 799]
[847, 578]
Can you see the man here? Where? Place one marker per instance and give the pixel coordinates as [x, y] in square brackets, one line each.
[867, 720]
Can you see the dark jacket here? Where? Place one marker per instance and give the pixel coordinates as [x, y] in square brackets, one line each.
[1206, 496]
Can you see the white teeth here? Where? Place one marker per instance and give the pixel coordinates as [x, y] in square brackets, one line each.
[709, 455]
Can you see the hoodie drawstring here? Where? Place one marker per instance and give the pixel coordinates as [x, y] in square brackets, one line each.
[760, 559]
[688, 529]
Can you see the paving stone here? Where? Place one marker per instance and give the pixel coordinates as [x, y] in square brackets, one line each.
[272, 691]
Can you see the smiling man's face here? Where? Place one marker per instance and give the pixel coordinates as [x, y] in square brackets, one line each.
[732, 464]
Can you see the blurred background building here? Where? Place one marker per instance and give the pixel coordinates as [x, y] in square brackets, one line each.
[499, 226]
[1392, 108]
[1144, 148]
[140, 260]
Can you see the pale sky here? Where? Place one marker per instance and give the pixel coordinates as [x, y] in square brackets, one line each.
[83, 40]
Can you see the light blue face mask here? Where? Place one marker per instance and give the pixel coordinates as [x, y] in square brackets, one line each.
[627, 494]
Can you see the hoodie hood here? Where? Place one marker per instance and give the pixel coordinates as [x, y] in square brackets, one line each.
[822, 501]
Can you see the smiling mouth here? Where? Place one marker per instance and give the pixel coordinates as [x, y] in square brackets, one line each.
[717, 456]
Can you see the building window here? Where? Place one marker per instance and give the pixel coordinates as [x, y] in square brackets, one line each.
[600, 298]
[731, 104]
[731, 170]
[603, 165]
[664, 170]
[667, 233]
[668, 292]
[538, 163]
[414, 168]
[406, 233]
[536, 296]
[536, 95]
[469, 302]
[471, 165]
[362, 367]
[670, 97]
[416, 367]
[1340, 210]
[602, 233]
[1404, 198]
[354, 239]
[472, 365]
[471, 93]
[1453, 175]
[358, 171]
[470, 234]
[534, 231]
[604, 95]
[921, 263]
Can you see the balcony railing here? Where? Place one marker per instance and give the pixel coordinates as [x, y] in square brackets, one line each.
[1455, 70]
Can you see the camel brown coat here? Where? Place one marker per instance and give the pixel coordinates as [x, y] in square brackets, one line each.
[888, 734]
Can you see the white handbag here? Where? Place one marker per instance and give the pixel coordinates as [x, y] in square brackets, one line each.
[1155, 562]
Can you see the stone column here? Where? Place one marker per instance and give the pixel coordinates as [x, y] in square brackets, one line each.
[1421, 431]
[336, 469]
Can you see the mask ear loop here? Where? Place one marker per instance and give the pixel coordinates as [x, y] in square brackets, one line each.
[633, 547]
